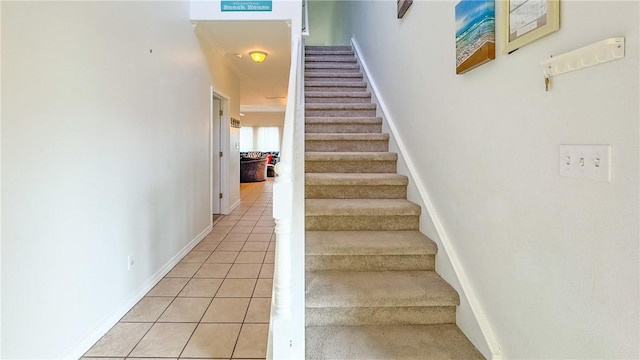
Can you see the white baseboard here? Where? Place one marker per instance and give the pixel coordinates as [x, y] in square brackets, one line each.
[234, 206]
[446, 246]
[85, 344]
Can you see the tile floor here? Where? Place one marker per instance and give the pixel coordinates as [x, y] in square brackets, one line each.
[215, 303]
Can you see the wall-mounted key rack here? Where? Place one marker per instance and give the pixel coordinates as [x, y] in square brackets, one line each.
[598, 53]
[590, 55]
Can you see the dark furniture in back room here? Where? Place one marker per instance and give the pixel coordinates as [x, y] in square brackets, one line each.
[253, 170]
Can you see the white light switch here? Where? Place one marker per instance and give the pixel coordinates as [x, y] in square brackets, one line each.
[585, 161]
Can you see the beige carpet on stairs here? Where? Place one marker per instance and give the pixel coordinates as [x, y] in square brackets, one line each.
[371, 287]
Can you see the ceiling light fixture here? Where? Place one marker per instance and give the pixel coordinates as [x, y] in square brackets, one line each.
[258, 56]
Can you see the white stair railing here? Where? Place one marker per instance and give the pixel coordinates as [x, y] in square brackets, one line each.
[286, 328]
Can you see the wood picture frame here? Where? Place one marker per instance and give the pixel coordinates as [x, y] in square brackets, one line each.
[403, 6]
[525, 21]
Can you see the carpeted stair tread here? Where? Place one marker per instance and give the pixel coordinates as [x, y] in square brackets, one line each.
[347, 137]
[321, 106]
[335, 84]
[338, 97]
[343, 120]
[441, 342]
[369, 243]
[335, 76]
[350, 162]
[355, 186]
[328, 48]
[378, 289]
[344, 109]
[347, 67]
[329, 52]
[361, 207]
[346, 124]
[333, 94]
[358, 179]
[350, 156]
[330, 58]
[324, 83]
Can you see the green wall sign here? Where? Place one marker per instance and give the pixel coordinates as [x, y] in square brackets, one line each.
[248, 6]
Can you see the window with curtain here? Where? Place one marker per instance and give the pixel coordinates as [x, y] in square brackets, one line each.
[259, 138]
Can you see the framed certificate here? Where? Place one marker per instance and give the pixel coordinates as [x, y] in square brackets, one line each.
[524, 21]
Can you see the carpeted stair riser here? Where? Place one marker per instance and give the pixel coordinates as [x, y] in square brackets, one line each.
[361, 146]
[338, 142]
[351, 166]
[356, 223]
[329, 58]
[328, 48]
[355, 192]
[332, 67]
[350, 97]
[317, 128]
[343, 125]
[411, 315]
[334, 86]
[317, 162]
[370, 262]
[340, 110]
[332, 76]
[330, 52]
[369, 243]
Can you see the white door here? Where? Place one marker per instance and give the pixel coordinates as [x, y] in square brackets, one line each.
[216, 152]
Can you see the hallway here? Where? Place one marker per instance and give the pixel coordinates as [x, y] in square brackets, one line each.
[215, 303]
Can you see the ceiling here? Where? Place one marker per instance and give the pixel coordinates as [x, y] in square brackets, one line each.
[263, 87]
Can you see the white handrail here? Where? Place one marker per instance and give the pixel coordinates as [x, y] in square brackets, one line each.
[286, 328]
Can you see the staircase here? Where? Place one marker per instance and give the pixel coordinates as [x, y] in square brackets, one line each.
[371, 287]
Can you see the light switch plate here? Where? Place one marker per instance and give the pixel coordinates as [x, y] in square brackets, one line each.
[585, 161]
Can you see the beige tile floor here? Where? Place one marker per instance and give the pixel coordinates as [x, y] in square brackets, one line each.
[215, 303]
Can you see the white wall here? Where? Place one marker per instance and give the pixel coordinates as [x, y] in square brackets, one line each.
[327, 20]
[104, 154]
[554, 261]
[264, 119]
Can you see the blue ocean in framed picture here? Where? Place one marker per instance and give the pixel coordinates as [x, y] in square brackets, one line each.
[475, 34]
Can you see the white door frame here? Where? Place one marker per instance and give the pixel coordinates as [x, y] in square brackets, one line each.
[219, 136]
[216, 149]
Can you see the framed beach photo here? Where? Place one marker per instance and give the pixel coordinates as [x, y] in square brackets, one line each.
[475, 34]
[403, 6]
[525, 21]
